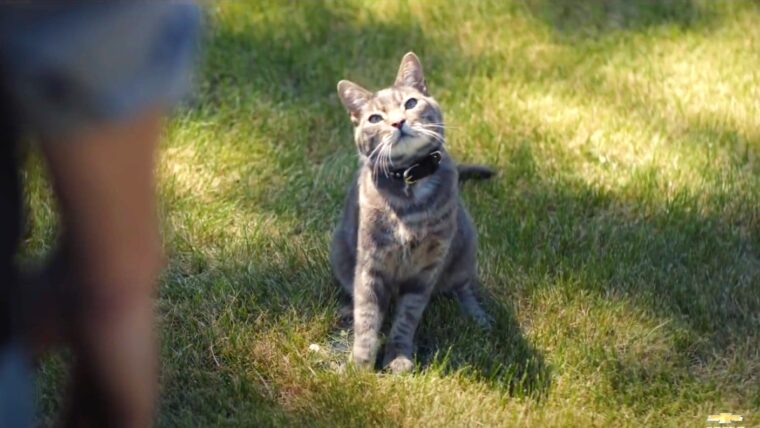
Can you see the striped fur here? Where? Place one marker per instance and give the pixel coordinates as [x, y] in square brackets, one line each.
[398, 242]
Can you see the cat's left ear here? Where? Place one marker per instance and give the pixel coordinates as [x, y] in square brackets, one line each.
[353, 98]
[410, 73]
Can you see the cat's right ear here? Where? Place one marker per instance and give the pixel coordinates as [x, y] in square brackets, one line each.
[353, 98]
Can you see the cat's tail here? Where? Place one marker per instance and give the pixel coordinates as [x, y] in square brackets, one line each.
[474, 172]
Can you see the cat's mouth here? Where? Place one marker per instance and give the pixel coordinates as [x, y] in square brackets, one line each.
[418, 131]
[412, 137]
[404, 131]
[402, 135]
[407, 133]
[407, 138]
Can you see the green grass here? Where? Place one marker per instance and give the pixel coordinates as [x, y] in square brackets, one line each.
[620, 242]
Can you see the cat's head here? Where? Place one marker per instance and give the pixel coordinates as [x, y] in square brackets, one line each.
[396, 125]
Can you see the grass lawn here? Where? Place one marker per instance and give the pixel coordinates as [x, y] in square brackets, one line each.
[620, 242]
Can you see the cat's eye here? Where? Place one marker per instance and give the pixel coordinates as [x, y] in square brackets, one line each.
[410, 103]
[375, 118]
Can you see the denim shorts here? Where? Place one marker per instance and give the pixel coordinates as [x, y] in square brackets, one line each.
[63, 67]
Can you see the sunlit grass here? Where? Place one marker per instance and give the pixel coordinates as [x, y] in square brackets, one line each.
[620, 242]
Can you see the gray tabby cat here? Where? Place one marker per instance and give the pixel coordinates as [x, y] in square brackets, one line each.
[404, 233]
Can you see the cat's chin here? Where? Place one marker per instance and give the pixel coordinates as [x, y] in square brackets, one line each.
[409, 147]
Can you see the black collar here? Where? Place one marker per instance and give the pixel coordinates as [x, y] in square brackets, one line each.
[421, 168]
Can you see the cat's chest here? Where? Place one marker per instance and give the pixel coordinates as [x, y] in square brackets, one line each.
[408, 230]
[415, 245]
[407, 234]
[408, 259]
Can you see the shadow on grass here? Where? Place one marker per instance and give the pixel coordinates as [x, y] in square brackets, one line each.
[502, 358]
[689, 259]
[287, 53]
[573, 19]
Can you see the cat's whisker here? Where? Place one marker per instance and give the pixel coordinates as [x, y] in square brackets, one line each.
[427, 131]
[425, 128]
[378, 154]
[381, 161]
[436, 136]
[437, 131]
[438, 125]
[375, 150]
[381, 155]
[389, 159]
[385, 157]
[375, 162]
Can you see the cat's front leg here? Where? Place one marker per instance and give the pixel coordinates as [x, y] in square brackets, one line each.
[413, 299]
[370, 302]
[414, 295]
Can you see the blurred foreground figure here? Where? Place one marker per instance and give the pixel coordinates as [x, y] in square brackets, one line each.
[90, 83]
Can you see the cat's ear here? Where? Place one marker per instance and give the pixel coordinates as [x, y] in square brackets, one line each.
[410, 73]
[353, 97]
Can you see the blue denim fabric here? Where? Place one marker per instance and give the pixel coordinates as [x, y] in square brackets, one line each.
[16, 388]
[74, 65]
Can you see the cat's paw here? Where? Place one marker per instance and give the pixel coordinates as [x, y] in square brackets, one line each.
[481, 317]
[361, 362]
[484, 321]
[400, 364]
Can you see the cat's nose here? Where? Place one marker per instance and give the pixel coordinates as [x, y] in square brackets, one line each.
[398, 124]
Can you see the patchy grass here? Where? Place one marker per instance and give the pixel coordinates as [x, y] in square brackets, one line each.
[620, 243]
